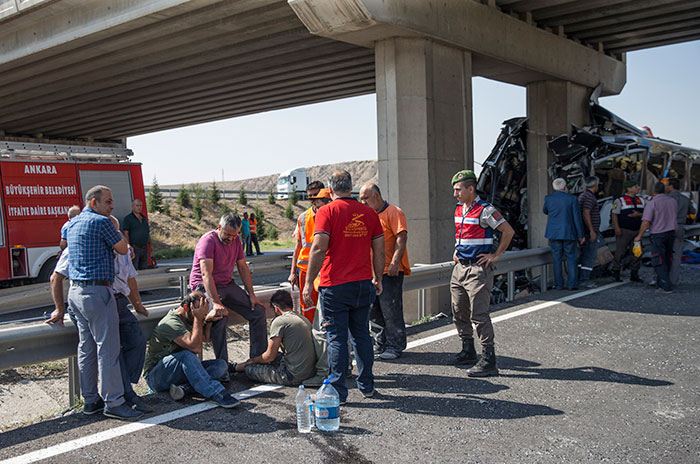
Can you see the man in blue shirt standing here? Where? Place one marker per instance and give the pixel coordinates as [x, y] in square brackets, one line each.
[564, 227]
[91, 238]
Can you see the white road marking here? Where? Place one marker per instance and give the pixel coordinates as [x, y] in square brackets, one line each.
[520, 312]
[188, 411]
[129, 428]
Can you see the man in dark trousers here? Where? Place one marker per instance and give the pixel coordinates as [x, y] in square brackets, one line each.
[216, 254]
[346, 231]
[660, 218]
[685, 207]
[138, 234]
[627, 219]
[590, 212]
[386, 317]
[472, 277]
[564, 230]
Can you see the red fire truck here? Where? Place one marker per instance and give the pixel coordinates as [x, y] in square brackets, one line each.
[40, 182]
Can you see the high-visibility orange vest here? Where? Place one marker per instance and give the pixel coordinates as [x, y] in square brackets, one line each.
[306, 232]
[253, 226]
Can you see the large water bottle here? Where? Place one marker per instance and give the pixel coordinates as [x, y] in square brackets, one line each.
[327, 407]
[303, 411]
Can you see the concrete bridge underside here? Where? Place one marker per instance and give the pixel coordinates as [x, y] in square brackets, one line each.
[95, 71]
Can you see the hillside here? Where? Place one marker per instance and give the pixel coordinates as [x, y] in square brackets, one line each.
[176, 233]
[361, 172]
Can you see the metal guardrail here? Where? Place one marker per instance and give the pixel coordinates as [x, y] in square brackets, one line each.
[18, 299]
[23, 345]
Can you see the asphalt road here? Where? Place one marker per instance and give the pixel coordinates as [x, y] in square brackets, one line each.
[608, 377]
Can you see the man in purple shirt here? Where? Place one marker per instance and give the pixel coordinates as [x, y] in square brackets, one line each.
[660, 218]
[215, 256]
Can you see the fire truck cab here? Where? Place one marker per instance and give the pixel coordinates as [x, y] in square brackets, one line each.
[39, 183]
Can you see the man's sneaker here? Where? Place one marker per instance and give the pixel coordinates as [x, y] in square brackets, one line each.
[225, 400]
[122, 411]
[178, 392]
[388, 355]
[369, 394]
[589, 284]
[138, 404]
[93, 408]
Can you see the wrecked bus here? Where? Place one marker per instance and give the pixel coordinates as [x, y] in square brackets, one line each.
[610, 148]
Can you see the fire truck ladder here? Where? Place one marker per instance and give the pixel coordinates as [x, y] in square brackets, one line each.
[25, 150]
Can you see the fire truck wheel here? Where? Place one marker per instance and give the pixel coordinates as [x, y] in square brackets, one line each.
[47, 270]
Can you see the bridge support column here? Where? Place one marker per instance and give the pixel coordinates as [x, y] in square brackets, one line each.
[424, 116]
[552, 106]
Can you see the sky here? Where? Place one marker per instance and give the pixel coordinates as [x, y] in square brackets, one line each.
[662, 92]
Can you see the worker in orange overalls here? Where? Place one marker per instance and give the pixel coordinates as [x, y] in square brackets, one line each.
[304, 233]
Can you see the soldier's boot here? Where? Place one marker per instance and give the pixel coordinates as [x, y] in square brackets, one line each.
[634, 277]
[468, 353]
[487, 364]
[616, 275]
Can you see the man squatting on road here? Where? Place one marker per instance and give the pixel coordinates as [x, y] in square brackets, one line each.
[472, 276]
[131, 338]
[172, 363]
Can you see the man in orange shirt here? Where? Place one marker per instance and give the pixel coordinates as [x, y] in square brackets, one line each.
[304, 233]
[386, 316]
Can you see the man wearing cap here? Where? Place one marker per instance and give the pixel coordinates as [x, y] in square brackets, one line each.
[564, 228]
[472, 276]
[590, 212]
[627, 219]
[304, 233]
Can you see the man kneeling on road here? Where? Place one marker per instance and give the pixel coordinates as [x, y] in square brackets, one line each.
[291, 332]
[172, 362]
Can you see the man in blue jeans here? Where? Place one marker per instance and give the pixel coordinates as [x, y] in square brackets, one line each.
[344, 234]
[564, 229]
[590, 211]
[172, 362]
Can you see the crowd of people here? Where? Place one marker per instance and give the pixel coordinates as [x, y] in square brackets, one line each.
[349, 264]
[575, 222]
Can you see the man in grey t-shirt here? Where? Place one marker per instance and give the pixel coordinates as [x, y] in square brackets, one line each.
[685, 207]
[292, 333]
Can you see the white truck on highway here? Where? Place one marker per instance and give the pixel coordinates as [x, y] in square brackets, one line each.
[288, 181]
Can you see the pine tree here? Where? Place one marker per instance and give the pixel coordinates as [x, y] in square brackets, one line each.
[183, 198]
[294, 197]
[271, 198]
[197, 211]
[242, 199]
[289, 211]
[260, 216]
[214, 193]
[155, 197]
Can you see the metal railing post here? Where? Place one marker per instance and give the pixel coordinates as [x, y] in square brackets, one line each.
[421, 303]
[183, 287]
[73, 381]
[511, 286]
[544, 278]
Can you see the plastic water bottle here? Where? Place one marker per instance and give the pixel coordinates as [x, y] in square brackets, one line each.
[327, 407]
[303, 411]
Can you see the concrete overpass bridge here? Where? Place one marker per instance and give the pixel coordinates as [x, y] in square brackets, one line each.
[98, 72]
